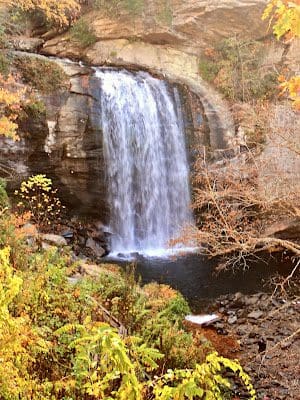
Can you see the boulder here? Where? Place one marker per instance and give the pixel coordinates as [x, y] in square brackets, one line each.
[29, 230]
[96, 249]
[54, 240]
[23, 43]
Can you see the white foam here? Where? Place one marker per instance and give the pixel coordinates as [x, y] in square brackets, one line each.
[161, 253]
[202, 319]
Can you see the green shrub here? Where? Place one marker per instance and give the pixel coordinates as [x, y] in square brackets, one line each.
[35, 109]
[56, 342]
[82, 33]
[134, 7]
[208, 69]
[2, 36]
[4, 65]
[17, 21]
[43, 75]
[38, 197]
[4, 201]
[165, 13]
[235, 67]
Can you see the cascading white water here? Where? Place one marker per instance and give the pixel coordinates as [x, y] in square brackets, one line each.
[145, 155]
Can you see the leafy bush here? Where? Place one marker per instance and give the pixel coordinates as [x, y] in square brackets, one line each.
[165, 12]
[208, 69]
[4, 64]
[10, 104]
[82, 33]
[4, 202]
[205, 381]
[2, 35]
[56, 343]
[134, 7]
[57, 13]
[19, 342]
[39, 198]
[35, 109]
[43, 75]
[107, 366]
[234, 66]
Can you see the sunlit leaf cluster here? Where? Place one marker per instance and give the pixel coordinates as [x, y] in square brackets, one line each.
[39, 198]
[59, 13]
[284, 15]
[10, 105]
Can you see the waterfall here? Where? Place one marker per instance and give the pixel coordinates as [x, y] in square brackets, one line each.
[146, 162]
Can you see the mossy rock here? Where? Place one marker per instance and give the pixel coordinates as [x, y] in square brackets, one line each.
[43, 75]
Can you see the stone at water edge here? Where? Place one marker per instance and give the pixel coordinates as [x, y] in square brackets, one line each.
[204, 319]
[95, 247]
[68, 234]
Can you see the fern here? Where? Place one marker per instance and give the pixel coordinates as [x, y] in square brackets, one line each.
[105, 365]
[205, 380]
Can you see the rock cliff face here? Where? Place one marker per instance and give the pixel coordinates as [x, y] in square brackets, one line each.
[189, 25]
[66, 142]
[167, 39]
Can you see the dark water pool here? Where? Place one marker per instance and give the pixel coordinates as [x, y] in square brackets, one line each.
[195, 276]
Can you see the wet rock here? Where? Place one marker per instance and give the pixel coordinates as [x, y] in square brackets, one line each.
[262, 345]
[252, 335]
[219, 325]
[96, 249]
[238, 296]
[68, 234]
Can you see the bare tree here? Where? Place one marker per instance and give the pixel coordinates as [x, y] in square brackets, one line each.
[233, 210]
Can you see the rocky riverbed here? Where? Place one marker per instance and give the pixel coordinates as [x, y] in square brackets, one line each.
[263, 332]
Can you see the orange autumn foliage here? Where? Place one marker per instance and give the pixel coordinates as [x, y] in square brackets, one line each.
[285, 16]
[59, 13]
[10, 105]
